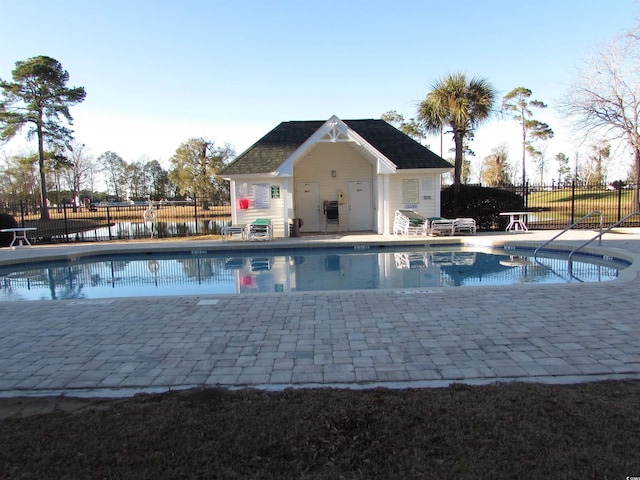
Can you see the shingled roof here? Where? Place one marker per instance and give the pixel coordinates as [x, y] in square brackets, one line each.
[268, 153]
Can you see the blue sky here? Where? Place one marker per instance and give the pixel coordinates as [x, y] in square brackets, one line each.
[157, 73]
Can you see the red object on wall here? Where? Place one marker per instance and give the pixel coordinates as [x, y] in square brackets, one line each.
[243, 203]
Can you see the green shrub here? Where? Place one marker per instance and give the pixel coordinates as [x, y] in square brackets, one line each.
[484, 204]
[6, 221]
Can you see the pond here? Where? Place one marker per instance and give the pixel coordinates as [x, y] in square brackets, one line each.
[128, 230]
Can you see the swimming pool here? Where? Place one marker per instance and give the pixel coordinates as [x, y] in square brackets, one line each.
[201, 272]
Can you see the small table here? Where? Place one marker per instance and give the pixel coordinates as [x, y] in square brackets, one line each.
[19, 235]
[229, 230]
[516, 221]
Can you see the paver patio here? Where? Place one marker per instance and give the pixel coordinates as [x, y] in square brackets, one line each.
[547, 333]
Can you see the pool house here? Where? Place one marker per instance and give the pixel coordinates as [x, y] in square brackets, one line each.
[334, 175]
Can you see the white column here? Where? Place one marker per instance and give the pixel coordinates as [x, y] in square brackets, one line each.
[287, 207]
[234, 202]
[383, 204]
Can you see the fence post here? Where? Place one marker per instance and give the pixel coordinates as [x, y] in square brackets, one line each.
[619, 200]
[573, 202]
[64, 214]
[21, 214]
[109, 223]
[195, 211]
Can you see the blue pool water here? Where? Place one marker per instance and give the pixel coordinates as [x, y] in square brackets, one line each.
[277, 271]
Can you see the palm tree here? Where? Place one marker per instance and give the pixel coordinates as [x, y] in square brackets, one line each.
[460, 104]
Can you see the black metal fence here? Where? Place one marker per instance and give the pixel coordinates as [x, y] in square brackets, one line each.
[552, 207]
[121, 220]
[557, 206]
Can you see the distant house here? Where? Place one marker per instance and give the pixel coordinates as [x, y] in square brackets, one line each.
[361, 171]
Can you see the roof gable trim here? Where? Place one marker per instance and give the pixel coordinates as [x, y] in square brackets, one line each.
[335, 130]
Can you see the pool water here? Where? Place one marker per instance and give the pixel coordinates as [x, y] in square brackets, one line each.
[306, 270]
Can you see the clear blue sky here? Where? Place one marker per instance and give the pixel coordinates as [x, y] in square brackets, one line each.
[159, 72]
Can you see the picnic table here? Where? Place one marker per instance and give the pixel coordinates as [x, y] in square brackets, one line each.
[19, 235]
[517, 221]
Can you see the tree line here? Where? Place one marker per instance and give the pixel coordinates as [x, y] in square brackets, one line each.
[72, 176]
[603, 101]
[38, 100]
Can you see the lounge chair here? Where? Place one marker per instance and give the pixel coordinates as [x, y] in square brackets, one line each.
[462, 225]
[440, 226]
[260, 229]
[259, 264]
[229, 230]
[234, 263]
[464, 258]
[408, 222]
[410, 260]
[441, 259]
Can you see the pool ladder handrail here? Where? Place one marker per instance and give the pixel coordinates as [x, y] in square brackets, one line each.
[577, 222]
[599, 235]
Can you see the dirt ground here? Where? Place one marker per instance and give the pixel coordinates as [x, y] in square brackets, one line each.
[514, 430]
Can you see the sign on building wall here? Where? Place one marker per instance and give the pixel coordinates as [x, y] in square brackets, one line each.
[410, 191]
[261, 195]
[427, 184]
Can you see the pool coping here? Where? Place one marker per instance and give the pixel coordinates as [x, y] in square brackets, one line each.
[74, 251]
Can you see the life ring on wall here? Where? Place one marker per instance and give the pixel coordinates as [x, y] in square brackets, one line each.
[149, 215]
[153, 266]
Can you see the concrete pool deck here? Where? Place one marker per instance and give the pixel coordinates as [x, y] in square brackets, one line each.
[409, 338]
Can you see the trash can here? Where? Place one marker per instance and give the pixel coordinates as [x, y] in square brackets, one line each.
[294, 227]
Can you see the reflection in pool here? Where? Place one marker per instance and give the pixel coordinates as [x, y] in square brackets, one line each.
[212, 273]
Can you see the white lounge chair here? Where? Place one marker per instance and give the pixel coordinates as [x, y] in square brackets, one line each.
[440, 226]
[410, 260]
[408, 222]
[229, 230]
[462, 225]
[260, 229]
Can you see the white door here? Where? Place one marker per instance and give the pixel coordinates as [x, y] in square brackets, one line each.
[360, 207]
[308, 206]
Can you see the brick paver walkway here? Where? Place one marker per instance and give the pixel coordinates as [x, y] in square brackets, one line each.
[550, 333]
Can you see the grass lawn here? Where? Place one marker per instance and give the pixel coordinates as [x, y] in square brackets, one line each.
[557, 206]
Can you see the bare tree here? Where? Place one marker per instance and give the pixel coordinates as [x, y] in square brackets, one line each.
[604, 99]
[495, 167]
[596, 168]
[114, 168]
[563, 167]
[19, 179]
[540, 158]
[79, 171]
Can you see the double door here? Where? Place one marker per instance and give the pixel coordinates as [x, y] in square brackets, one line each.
[359, 206]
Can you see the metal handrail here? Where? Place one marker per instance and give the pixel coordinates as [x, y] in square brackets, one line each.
[580, 220]
[599, 235]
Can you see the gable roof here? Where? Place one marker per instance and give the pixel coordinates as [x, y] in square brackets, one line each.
[272, 150]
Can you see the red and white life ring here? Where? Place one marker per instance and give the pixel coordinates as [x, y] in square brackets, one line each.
[153, 266]
[149, 215]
